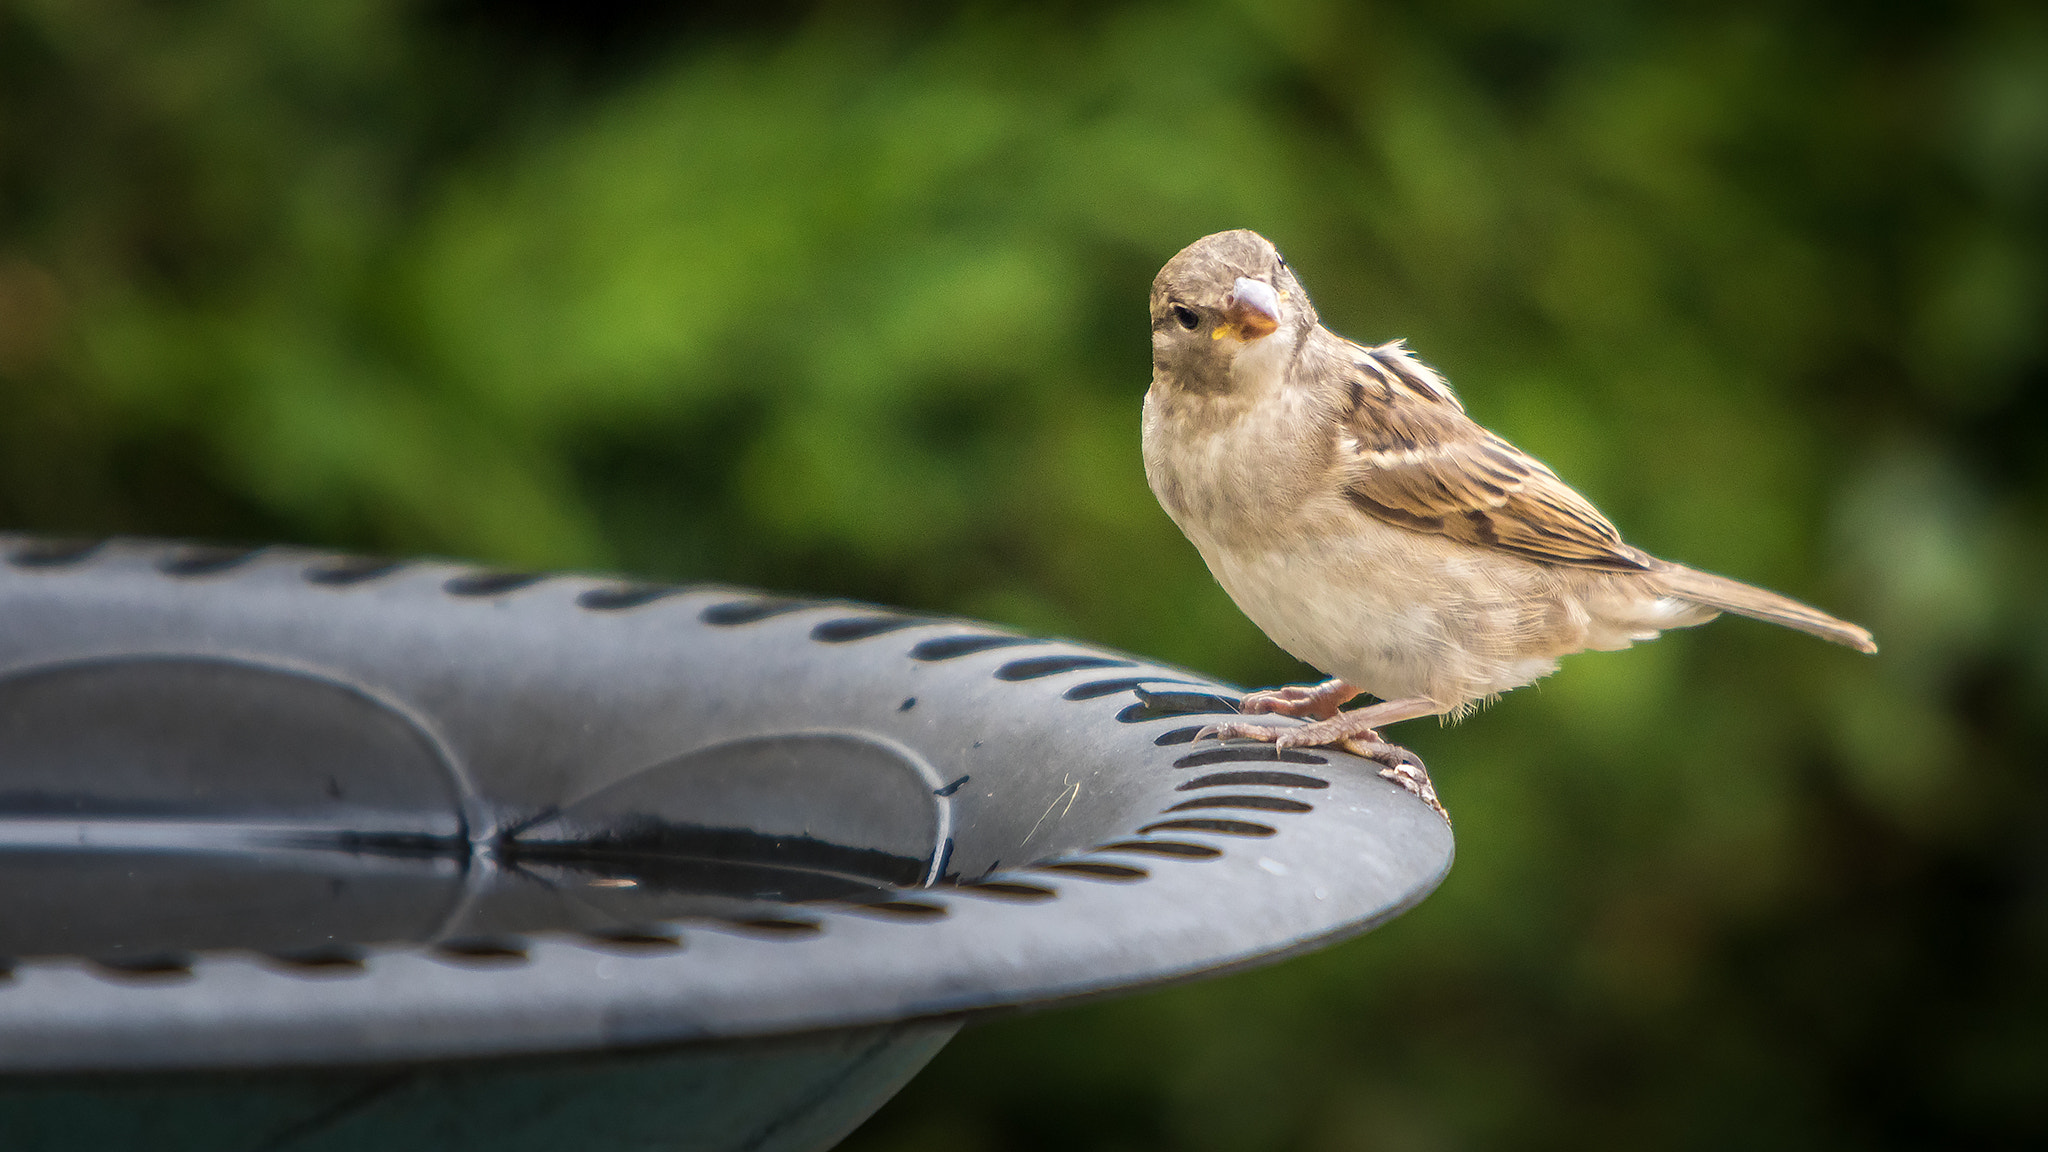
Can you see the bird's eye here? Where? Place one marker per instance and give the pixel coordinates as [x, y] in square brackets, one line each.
[1186, 316]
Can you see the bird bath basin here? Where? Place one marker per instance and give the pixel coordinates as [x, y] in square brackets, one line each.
[305, 851]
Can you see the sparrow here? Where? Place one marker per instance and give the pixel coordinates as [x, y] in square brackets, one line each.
[1358, 516]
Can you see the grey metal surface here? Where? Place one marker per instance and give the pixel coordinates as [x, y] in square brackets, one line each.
[280, 807]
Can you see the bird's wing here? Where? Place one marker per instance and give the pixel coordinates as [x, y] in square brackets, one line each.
[1407, 454]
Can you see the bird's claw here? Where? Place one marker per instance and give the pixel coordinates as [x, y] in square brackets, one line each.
[1397, 764]
[1402, 767]
[1238, 730]
[1416, 780]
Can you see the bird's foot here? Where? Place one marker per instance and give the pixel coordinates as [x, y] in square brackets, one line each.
[1354, 732]
[1406, 770]
[1302, 701]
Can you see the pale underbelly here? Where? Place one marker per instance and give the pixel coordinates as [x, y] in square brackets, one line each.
[1399, 614]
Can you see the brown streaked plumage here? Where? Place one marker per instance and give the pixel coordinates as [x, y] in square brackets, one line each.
[1352, 509]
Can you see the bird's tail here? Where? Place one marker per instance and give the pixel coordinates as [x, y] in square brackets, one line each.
[1760, 604]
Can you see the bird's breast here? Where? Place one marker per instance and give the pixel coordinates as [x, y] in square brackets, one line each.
[1231, 470]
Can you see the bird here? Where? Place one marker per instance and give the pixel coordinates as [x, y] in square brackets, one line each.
[1351, 508]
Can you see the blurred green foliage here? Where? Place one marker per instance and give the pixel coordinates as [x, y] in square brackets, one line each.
[850, 299]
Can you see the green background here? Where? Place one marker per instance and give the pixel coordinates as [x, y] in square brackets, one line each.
[850, 299]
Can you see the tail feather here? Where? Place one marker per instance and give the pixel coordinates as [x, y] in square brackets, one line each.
[1760, 604]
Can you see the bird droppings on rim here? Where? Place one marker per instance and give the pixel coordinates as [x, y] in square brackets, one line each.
[733, 613]
[1174, 848]
[351, 571]
[1209, 824]
[1032, 668]
[1165, 705]
[620, 597]
[205, 560]
[483, 950]
[1094, 870]
[55, 553]
[850, 628]
[952, 647]
[491, 583]
[1262, 803]
[1008, 890]
[1248, 753]
[1241, 779]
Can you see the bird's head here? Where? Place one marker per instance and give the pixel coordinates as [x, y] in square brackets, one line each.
[1225, 303]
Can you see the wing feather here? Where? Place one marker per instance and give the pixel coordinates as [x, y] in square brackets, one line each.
[1410, 456]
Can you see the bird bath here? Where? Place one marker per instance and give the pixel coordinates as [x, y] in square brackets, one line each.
[305, 851]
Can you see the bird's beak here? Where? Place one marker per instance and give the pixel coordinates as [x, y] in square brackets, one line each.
[1250, 312]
